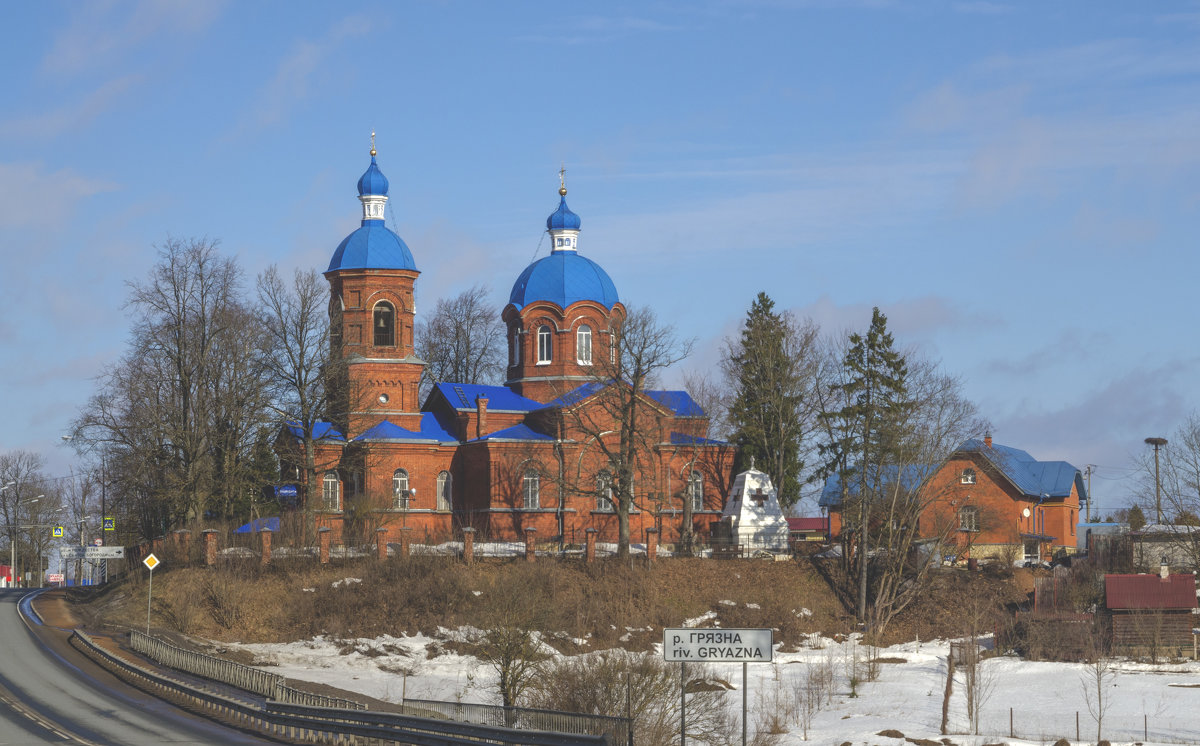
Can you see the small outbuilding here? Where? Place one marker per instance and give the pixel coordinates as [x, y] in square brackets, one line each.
[1151, 613]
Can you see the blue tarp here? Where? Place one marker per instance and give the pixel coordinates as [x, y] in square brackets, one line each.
[258, 524]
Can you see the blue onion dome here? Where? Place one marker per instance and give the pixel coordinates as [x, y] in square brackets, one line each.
[373, 182]
[562, 218]
[564, 278]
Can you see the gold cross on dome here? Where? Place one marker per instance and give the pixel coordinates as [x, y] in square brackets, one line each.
[372, 143]
[562, 176]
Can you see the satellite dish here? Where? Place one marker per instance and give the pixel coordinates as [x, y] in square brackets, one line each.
[1026, 512]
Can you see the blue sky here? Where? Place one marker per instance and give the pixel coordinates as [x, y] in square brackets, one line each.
[1014, 184]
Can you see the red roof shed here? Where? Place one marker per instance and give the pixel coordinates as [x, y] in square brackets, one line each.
[1150, 592]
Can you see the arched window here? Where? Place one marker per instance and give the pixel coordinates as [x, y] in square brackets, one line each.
[400, 489]
[604, 492]
[331, 491]
[384, 325]
[444, 488]
[531, 488]
[583, 344]
[968, 476]
[968, 518]
[696, 491]
[545, 344]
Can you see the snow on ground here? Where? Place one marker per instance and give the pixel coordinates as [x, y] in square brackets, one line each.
[907, 696]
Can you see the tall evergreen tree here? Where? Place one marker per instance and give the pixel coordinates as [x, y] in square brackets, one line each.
[867, 434]
[769, 369]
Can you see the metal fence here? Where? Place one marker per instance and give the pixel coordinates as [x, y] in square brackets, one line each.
[249, 678]
[618, 729]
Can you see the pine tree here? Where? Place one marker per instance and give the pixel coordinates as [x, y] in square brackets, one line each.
[866, 433]
[768, 371]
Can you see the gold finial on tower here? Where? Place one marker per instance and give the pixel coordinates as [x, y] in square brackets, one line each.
[372, 143]
[562, 181]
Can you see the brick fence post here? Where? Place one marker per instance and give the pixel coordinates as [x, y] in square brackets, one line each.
[210, 546]
[589, 546]
[405, 533]
[651, 544]
[324, 533]
[468, 545]
[265, 537]
[381, 543]
[186, 537]
[530, 533]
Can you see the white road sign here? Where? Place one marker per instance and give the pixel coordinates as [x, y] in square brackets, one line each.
[717, 645]
[71, 553]
[104, 553]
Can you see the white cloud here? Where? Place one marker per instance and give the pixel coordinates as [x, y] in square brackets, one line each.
[73, 115]
[292, 80]
[29, 195]
[97, 32]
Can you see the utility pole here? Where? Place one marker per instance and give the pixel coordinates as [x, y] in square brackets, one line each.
[1157, 442]
[1087, 472]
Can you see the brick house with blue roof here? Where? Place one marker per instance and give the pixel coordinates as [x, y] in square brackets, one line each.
[499, 459]
[989, 500]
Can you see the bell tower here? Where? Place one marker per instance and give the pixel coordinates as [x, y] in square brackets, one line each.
[372, 277]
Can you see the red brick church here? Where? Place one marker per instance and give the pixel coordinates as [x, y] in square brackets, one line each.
[499, 459]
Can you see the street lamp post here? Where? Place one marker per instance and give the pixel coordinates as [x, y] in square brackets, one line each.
[1157, 442]
[13, 543]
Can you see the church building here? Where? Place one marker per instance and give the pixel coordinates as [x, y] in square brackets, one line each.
[499, 459]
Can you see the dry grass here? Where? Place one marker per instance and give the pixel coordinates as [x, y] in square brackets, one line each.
[608, 603]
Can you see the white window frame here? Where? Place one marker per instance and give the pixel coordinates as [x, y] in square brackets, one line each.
[604, 493]
[445, 491]
[400, 489]
[968, 518]
[696, 491]
[545, 345]
[968, 476]
[583, 344]
[331, 491]
[531, 489]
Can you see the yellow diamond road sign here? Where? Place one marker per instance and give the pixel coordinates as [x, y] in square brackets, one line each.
[151, 561]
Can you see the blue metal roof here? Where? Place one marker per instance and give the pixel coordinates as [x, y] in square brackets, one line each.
[564, 278]
[1034, 478]
[679, 402]
[563, 218]
[577, 394]
[516, 432]
[373, 181]
[373, 246]
[681, 439]
[500, 398]
[431, 430]
[911, 477]
[321, 431]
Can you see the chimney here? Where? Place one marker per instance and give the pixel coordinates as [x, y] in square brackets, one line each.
[1164, 571]
[987, 440]
[481, 403]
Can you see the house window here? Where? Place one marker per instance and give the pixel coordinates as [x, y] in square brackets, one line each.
[531, 489]
[400, 489]
[583, 344]
[444, 486]
[604, 492]
[384, 324]
[968, 518]
[545, 345]
[331, 491]
[968, 476]
[696, 491]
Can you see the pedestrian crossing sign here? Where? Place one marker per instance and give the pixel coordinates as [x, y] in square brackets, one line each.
[57, 532]
[110, 524]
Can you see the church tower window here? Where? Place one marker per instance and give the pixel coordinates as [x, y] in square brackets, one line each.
[583, 344]
[400, 489]
[696, 491]
[545, 338]
[384, 323]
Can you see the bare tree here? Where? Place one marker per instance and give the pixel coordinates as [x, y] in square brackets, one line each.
[1180, 489]
[300, 358]
[24, 499]
[615, 418]
[1098, 678]
[463, 341]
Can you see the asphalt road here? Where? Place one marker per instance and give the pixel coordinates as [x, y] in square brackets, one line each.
[49, 693]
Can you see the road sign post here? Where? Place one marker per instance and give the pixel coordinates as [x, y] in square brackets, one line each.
[150, 562]
[715, 646]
